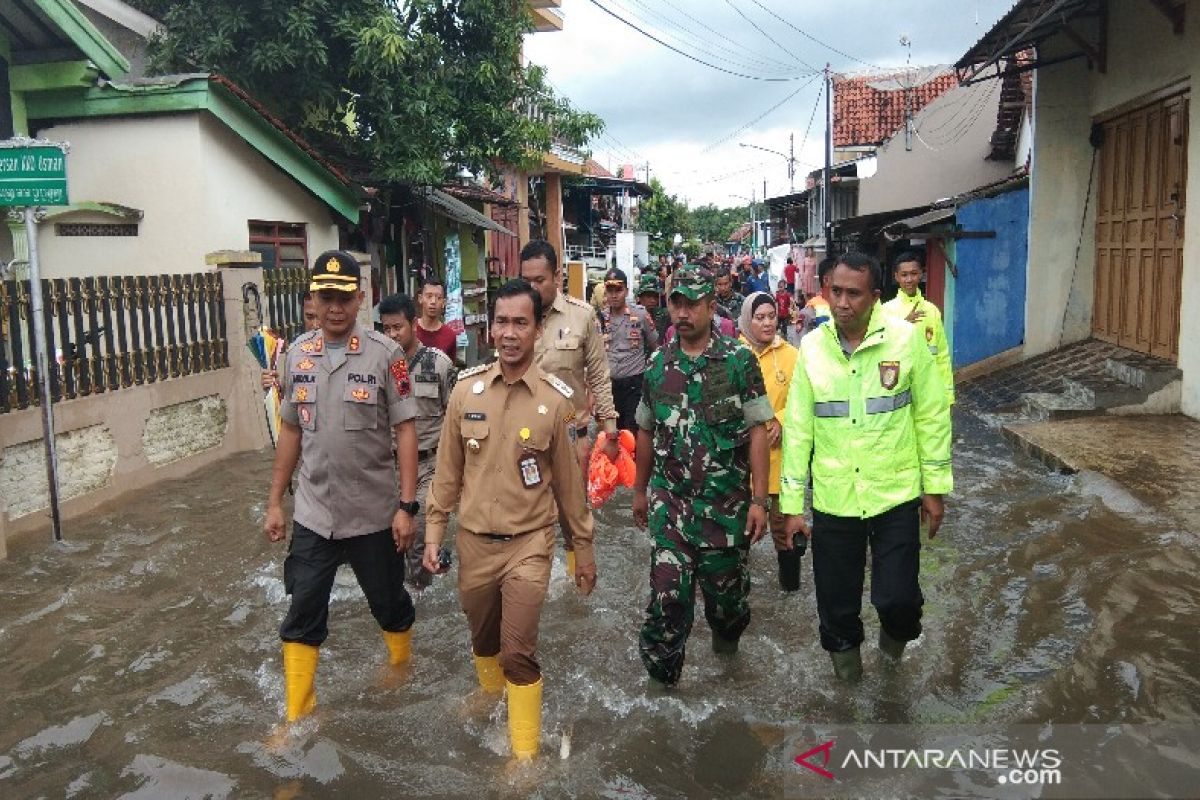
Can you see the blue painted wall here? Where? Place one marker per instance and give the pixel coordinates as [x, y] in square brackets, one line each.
[989, 295]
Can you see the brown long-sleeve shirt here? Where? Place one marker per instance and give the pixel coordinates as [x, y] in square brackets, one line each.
[570, 348]
[491, 427]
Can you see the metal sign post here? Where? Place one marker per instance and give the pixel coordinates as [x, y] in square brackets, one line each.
[33, 173]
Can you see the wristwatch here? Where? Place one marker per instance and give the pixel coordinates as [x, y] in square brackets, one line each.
[411, 507]
[763, 502]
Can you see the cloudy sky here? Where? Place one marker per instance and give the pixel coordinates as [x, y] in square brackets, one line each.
[687, 119]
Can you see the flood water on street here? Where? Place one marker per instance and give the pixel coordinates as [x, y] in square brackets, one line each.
[141, 659]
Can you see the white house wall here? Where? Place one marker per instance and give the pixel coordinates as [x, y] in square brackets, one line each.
[1144, 57]
[240, 185]
[948, 156]
[197, 182]
[148, 163]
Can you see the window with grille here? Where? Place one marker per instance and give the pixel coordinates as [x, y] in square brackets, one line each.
[282, 244]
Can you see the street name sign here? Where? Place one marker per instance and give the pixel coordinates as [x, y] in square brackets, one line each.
[33, 176]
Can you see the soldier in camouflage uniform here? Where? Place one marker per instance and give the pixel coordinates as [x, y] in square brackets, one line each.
[701, 438]
[650, 297]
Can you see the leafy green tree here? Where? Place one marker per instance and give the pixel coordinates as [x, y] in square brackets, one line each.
[662, 216]
[712, 224]
[394, 89]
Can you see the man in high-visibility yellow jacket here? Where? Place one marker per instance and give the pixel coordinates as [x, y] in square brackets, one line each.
[909, 304]
[868, 408]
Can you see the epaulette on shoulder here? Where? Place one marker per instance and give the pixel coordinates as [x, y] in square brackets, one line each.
[376, 336]
[575, 301]
[557, 383]
[478, 369]
[306, 336]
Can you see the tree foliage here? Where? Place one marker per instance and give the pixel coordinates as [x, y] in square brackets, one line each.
[712, 224]
[397, 89]
[663, 216]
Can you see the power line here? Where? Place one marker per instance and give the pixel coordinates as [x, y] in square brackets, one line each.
[812, 116]
[766, 35]
[723, 35]
[812, 38]
[691, 57]
[761, 116]
[697, 40]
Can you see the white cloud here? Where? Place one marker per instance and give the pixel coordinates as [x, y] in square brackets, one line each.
[662, 108]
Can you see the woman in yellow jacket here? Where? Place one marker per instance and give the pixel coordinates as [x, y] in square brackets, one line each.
[758, 324]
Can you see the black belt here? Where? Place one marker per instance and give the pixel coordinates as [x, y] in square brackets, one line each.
[424, 454]
[582, 430]
[497, 537]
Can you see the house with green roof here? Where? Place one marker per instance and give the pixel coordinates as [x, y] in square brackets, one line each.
[161, 170]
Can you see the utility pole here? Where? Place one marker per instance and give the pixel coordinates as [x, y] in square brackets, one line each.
[792, 162]
[826, 175]
[908, 81]
[647, 172]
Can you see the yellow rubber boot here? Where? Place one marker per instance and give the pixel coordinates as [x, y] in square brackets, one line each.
[491, 677]
[571, 563]
[525, 718]
[399, 646]
[299, 678]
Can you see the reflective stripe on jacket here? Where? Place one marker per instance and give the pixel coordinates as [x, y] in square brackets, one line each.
[876, 425]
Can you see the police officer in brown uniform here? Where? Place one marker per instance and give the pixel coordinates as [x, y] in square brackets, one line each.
[571, 349]
[507, 460]
[347, 399]
[433, 375]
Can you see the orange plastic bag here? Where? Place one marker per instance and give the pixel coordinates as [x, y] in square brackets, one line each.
[604, 475]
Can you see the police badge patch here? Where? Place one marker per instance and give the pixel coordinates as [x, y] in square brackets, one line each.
[400, 377]
[889, 374]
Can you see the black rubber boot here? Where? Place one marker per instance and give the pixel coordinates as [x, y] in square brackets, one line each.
[724, 646]
[891, 648]
[789, 568]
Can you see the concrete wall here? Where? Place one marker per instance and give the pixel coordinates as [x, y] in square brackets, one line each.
[127, 439]
[949, 158]
[197, 182]
[989, 293]
[1144, 56]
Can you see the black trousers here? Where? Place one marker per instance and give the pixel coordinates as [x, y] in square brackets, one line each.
[627, 393]
[839, 548]
[308, 575]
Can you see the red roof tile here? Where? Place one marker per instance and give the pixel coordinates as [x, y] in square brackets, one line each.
[866, 115]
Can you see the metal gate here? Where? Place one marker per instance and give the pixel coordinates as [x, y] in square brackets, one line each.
[1139, 228]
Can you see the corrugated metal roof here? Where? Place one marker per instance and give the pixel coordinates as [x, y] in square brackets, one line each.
[460, 211]
[1026, 26]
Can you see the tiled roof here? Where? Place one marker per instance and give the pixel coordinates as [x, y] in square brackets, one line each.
[593, 168]
[867, 110]
[477, 193]
[743, 232]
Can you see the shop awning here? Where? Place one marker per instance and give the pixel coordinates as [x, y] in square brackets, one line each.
[1026, 26]
[899, 227]
[461, 212]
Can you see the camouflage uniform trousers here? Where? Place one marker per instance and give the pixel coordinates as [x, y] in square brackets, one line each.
[417, 575]
[678, 562]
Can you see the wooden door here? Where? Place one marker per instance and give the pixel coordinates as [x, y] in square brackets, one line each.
[1139, 228]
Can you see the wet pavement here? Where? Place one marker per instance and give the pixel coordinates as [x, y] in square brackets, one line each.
[141, 659]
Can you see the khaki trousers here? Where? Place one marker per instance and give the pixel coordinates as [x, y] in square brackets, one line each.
[502, 586]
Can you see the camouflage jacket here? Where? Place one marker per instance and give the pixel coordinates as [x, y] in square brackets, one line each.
[699, 411]
[731, 305]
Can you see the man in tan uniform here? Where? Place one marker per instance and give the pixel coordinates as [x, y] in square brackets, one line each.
[347, 400]
[570, 348]
[433, 375]
[506, 459]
